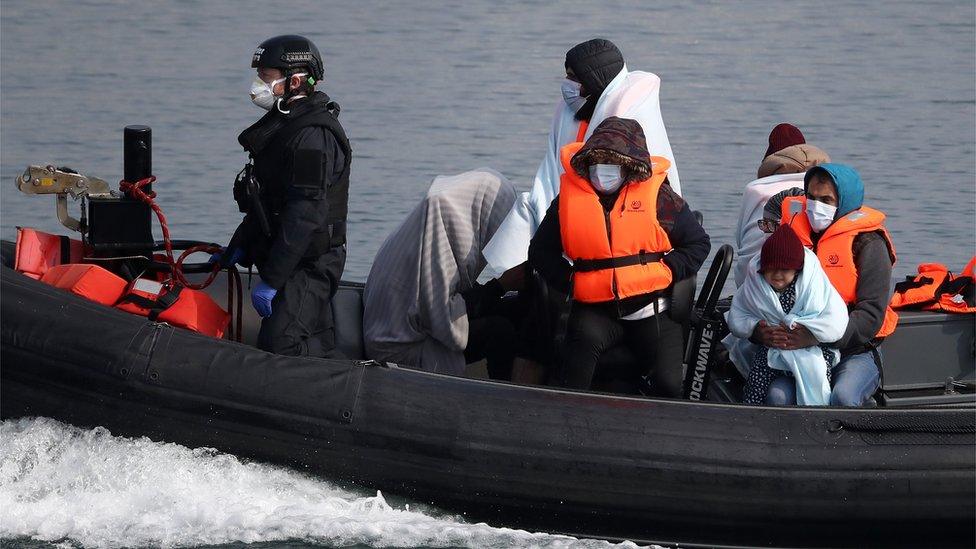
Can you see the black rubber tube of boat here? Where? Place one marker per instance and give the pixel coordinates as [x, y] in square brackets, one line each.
[906, 424]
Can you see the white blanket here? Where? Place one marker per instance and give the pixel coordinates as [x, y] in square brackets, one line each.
[634, 95]
[748, 238]
[818, 307]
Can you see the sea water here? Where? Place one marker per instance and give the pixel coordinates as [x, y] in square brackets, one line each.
[426, 89]
[443, 87]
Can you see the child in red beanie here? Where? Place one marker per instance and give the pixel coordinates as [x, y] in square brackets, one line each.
[781, 296]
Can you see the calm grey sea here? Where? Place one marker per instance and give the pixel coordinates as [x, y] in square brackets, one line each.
[430, 88]
[438, 88]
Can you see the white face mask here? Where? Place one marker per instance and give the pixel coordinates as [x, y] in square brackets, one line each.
[571, 95]
[262, 94]
[605, 178]
[820, 215]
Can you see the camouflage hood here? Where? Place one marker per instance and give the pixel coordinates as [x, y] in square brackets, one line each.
[616, 141]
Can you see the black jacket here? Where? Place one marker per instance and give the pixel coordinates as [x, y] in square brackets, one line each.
[301, 160]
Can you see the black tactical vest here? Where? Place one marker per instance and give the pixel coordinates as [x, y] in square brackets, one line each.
[270, 143]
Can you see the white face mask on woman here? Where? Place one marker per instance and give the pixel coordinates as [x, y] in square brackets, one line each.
[571, 95]
[820, 215]
[262, 94]
[605, 178]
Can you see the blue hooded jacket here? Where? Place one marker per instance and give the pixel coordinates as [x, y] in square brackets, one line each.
[847, 183]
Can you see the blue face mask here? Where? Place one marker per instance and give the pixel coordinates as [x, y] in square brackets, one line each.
[605, 178]
[571, 95]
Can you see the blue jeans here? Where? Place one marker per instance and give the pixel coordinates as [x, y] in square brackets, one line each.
[854, 380]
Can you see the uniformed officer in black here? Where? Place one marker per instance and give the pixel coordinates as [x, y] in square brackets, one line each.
[294, 191]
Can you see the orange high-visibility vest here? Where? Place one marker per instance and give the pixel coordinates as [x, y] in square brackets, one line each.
[615, 254]
[835, 249]
[937, 289]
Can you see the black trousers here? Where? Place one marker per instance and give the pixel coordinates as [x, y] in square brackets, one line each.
[494, 339]
[495, 334]
[301, 313]
[657, 342]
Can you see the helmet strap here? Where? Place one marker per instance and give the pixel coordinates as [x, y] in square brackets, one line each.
[287, 94]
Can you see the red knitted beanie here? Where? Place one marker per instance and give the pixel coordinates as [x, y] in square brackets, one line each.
[782, 136]
[782, 250]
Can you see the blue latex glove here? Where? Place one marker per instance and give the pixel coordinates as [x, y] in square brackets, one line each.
[261, 296]
[233, 256]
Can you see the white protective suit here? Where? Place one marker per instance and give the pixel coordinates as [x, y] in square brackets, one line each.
[748, 237]
[634, 95]
[818, 307]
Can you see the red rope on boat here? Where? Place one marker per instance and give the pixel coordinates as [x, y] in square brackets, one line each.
[134, 189]
[234, 287]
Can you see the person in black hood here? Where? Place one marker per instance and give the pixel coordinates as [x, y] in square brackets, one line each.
[629, 237]
[294, 191]
[593, 64]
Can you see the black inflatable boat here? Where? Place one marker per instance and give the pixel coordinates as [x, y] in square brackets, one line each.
[708, 471]
[583, 463]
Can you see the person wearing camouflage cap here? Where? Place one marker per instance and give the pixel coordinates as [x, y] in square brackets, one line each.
[628, 237]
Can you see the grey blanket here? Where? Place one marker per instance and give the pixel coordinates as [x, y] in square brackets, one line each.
[414, 313]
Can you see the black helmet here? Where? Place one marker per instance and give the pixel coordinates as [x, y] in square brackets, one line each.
[288, 52]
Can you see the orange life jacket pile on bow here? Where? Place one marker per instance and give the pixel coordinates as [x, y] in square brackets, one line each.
[56, 260]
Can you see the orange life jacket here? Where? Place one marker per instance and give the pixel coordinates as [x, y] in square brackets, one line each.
[835, 248]
[179, 306]
[37, 251]
[935, 288]
[581, 132]
[88, 281]
[615, 255]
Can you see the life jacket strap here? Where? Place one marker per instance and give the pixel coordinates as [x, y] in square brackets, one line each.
[640, 258]
[911, 283]
[65, 249]
[963, 286]
[157, 306]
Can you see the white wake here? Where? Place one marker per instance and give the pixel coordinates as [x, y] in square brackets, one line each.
[60, 483]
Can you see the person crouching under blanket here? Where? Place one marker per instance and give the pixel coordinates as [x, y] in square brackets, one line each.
[629, 237]
[423, 304]
[786, 288]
